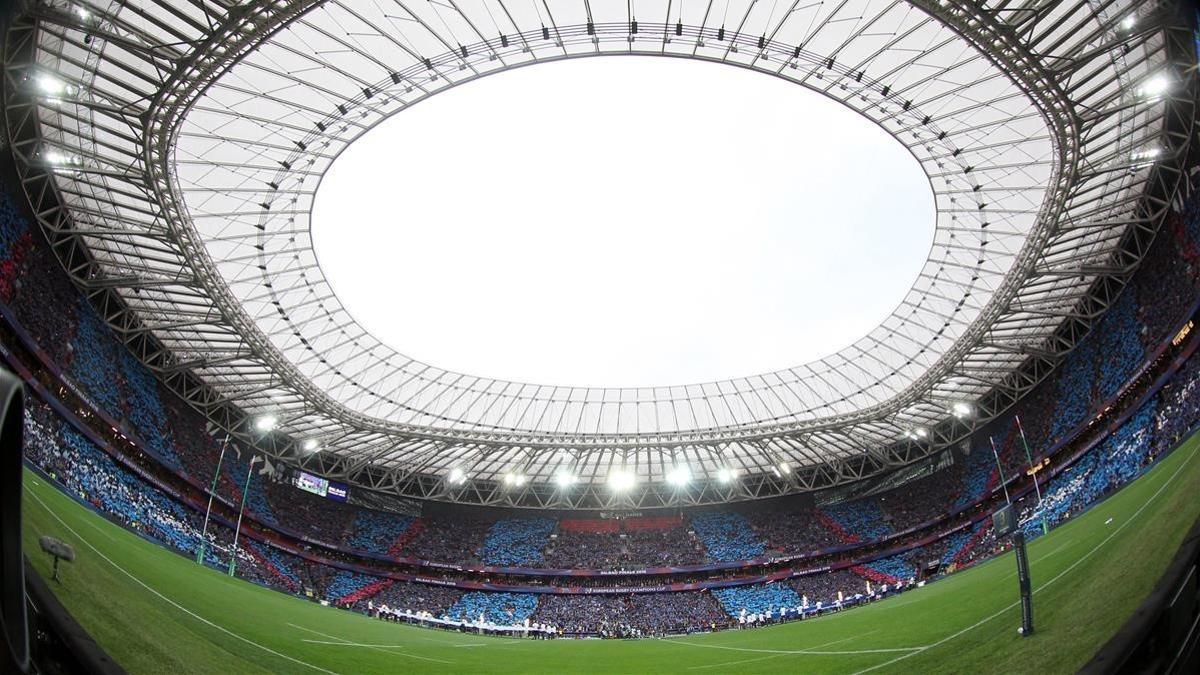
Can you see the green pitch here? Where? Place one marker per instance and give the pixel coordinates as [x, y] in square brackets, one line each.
[157, 612]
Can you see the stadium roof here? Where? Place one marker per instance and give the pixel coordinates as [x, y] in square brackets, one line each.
[186, 140]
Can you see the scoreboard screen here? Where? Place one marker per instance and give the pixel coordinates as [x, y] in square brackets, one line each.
[310, 483]
[1004, 521]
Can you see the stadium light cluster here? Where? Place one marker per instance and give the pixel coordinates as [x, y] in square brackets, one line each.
[51, 85]
[1146, 156]
[679, 476]
[1155, 86]
[58, 158]
[621, 480]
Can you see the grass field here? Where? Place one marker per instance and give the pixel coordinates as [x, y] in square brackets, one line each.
[156, 611]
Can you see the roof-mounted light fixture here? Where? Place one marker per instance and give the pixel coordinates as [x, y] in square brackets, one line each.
[265, 423]
[621, 480]
[679, 476]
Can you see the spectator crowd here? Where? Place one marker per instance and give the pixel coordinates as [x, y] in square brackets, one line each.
[144, 423]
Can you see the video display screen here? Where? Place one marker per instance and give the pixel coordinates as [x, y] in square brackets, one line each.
[337, 492]
[310, 483]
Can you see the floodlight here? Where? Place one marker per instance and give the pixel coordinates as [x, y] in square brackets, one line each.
[457, 477]
[311, 445]
[783, 466]
[50, 85]
[917, 433]
[514, 479]
[266, 423]
[961, 410]
[1149, 154]
[1155, 86]
[60, 158]
[726, 475]
[621, 480]
[1128, 22]
[564, 479]
[679, 476]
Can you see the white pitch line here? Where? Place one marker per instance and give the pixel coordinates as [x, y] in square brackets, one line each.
[1056, 551]
[775, 656]
[101, 532]
[1056, 577]
[342, 643]
[1042, 557]
[452, 643]
[387, 649]
[736, 663]
[481, 644]
[170, 601]
[888, 650]
[338, 642]
[846, 639]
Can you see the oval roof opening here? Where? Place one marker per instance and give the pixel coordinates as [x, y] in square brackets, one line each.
[631, 221]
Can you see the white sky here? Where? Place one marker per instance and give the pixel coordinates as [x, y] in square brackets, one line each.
[623, 222]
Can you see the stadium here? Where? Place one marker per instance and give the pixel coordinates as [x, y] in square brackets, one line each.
[713, 336]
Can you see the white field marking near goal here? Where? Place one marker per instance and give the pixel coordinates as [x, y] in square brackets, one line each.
[100, 531]
[339, 642]
[343, 642]
[169, 601]
[809, 650]
[1040, 558]
[737, 663]
[88, 522]
[848, 652]
[909, 598]
[1055, 578]
[775, 656]
[452, 643]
